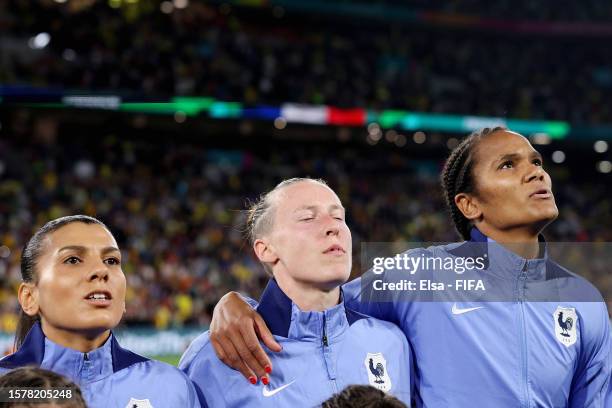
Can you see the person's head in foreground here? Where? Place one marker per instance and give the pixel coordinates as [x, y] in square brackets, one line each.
[72, 283]
[298, 231]
[41, 379]
[363, 396]
[495, 181]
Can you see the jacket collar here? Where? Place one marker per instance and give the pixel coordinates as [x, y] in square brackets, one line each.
[285, 319]
[40, 351]
[506, 264]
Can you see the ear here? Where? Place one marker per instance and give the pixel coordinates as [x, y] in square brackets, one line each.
[28, 298]
[468, 205]
[265, 252]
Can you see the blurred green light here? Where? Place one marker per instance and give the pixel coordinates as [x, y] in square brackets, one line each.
[391, 118]
[225, 110]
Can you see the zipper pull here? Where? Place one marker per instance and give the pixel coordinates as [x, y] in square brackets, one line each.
[324, 332]
[85, 356]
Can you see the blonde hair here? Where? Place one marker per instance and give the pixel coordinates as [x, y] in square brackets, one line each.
[260, 215]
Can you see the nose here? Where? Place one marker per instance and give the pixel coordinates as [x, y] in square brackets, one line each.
[331, 226]
[99, 272]
[535, 173]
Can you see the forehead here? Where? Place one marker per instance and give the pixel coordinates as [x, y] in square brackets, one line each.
[305, 194]
[501, 143]
[81, 234]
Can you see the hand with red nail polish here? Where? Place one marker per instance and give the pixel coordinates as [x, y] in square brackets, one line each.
[268, 369]
[265, 380]
[253, 380]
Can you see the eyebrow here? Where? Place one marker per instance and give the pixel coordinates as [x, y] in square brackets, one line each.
[314, 207]
[79, 248]
[516, 156]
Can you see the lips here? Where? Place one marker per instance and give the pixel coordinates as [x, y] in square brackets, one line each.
[541, 193]
[334, 249]
[99, 298]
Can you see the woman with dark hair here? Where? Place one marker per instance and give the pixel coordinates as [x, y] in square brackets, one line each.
[72, 296]
[545, 342]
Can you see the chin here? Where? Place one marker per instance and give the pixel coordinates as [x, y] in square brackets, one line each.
[543, 219]
[333, 279]
[100, 323]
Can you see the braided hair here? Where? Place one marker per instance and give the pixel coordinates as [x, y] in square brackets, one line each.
[457, 177]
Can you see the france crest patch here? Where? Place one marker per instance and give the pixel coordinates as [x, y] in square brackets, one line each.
[136, 403]
[565, 320]
[378, 375]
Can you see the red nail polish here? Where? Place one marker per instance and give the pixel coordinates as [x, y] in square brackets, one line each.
[253, 380]
[268, 369]
[265, 380]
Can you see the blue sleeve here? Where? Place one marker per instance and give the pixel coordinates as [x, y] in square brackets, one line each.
[352, 292]
[356, 298]
[196, 399]
[201, 365]
[592, 378]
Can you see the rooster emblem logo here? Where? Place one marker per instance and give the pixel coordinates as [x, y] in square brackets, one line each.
[565, 325]
[378, 375]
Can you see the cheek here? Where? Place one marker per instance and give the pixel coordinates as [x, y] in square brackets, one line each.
[57, 283]
[121, 286]
[50, 292]
[499, 194]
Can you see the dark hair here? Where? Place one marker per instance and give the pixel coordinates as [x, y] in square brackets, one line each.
[34, 377]
[29, 258]
[457, 177]
[363, 396]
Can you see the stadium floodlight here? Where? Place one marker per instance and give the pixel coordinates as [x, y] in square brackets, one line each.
[604, 166]
[39, 41]
[558, 156]
[601, 146]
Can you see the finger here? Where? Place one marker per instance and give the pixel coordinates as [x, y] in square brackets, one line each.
[217, 347]
[265, 335]
[247, 344]
[232, 359]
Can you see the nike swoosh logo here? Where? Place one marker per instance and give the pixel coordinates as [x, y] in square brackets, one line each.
[268, 393]
[457, 311]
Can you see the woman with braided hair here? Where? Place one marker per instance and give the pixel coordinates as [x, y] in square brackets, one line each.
[517, 350]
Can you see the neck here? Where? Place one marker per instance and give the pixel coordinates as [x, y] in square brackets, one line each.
[524, 242]
[306, 296]
[83, 341]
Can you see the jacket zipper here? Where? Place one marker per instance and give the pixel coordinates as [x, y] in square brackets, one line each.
[325, 343]
[525, 371]
[324, 333]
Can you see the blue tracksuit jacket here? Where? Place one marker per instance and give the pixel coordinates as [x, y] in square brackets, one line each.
[109, 376]
[506, 354]
[323, 352]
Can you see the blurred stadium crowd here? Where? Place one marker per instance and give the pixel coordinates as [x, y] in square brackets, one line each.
[176, 210]
[270, 56]
[175, 206]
